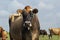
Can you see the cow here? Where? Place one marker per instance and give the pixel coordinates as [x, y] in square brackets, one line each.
[3, 34]
[22, 28]
[32, 26]
[43, 32]
[54, 31]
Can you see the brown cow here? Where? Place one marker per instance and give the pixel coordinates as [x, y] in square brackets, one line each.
[54, 31]
[3, 34]
[29, 31]
[32, 26]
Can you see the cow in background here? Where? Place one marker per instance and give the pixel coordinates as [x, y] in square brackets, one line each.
[3, 34]
[32, 26]
[54, 31]
[15, 25]
[43, 32]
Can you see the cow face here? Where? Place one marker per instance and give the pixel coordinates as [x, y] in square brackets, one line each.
[28, 24]
[29, 17]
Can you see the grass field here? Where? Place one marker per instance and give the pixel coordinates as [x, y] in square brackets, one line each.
[54, 37]
[8, 37]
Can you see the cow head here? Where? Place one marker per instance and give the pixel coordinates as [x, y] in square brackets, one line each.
[29, 17]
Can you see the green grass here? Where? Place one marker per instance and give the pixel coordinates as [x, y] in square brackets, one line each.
[54, 37]
[8, 37]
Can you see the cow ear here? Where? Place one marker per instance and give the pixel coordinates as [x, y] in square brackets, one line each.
[35, 10]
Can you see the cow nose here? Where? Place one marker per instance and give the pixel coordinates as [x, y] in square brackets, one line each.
[28, 23]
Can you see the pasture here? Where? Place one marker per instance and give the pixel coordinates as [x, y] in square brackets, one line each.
[54, 37]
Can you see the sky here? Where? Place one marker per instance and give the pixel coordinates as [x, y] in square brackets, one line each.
[49, 12]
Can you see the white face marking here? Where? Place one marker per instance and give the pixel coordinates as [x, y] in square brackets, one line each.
[30, 25]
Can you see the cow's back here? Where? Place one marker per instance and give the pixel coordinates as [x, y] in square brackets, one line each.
[16, 27]
[55, 30]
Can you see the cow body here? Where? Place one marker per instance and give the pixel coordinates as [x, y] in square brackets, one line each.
[54, 31]
[16, 28]
[43, 32]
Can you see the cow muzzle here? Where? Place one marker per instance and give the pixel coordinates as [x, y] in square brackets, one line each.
[28, 25]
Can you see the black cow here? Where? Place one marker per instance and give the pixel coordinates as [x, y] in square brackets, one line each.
[43, 32]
